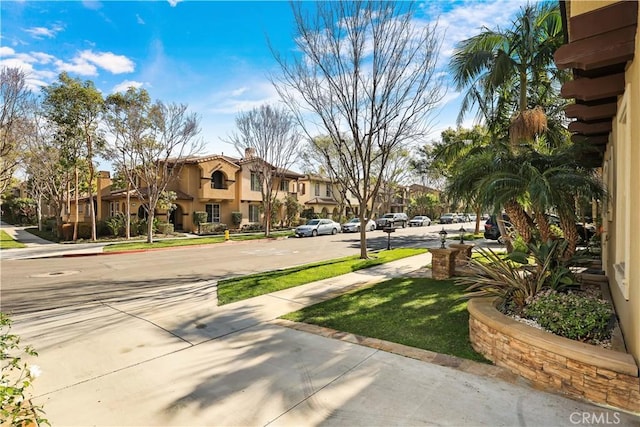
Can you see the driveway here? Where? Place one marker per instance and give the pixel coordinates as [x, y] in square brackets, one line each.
[172, 357]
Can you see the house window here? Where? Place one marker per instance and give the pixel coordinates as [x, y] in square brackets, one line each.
[329, 192]
[302, 186]
[254, 213]
[622, 154]
[256, 184]
[213, 212]
[114, 208]
[217, 180]
[284, 185]
[316, 189]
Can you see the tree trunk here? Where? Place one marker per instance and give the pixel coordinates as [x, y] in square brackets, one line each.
[39, 211]
[519, 219]
[568, 225]
[77, 200]
[150, 218]
[127, 222]
[92, 209]
[363, 232]
[543, 227]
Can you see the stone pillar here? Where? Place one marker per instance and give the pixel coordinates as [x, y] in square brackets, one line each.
[443, 263]
[465, 252]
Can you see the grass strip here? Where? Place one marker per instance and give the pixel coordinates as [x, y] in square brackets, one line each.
[240, 288]
[418, 312]
[7, 242]
[167, 243]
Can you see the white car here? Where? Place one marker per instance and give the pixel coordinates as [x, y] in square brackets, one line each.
[315, 227]
[419, 221]
[353, 225]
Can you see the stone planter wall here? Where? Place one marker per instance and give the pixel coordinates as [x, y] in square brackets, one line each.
[554, 363]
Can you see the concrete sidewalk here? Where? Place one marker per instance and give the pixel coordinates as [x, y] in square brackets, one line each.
[175, 358]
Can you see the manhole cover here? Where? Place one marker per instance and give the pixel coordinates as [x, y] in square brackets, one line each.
[56, 273]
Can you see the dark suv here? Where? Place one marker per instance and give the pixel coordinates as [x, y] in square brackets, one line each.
[491, 230]
[392, 220]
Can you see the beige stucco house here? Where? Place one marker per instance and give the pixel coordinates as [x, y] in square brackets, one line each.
[601, 49]
[216, 184]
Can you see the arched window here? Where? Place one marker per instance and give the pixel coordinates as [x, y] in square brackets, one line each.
[218, 180]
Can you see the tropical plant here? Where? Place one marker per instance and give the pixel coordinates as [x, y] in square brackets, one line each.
[514, 279]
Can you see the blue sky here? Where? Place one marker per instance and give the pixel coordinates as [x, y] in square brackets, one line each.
[211, 55]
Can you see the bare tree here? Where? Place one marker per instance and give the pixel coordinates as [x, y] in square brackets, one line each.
[394, 178]
[128, 122]
[16, 101]
[270, 137]
[160, 153]
[45, 166]
[364, 75]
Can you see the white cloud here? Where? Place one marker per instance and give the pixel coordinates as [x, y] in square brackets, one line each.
[6, 51]
[174, 3]
[122, 87]
[92, 4]
[239, 91]
[116, 64]
[78, 66]
[42, 32]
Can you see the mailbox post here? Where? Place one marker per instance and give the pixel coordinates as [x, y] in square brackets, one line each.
[389, 230]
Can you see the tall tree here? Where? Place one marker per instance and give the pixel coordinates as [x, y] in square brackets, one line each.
[511, 77]
[495, 64]
[172, 137]
[268, 137]
[127, 118]
[76, 107]
[45, 167]
[17, 101]
[364, 76]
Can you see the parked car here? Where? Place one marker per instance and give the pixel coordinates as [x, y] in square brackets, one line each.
[419, 221]
[315, 227]
[392, 220]
[585, 231]
[472, 217]
[353, 225]
[449, 218]
[491, 230]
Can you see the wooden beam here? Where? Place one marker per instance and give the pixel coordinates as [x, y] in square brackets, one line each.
[592, 139]
[593, 89]
[603, 20]
[586, 112]
[615, 47]
[590, 128]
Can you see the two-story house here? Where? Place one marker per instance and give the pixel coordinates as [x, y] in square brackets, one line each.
[216, 184]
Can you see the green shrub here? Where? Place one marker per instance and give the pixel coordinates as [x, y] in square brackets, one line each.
[17, 377]
[254, 226]
[199, 217]
[212, 227]
[574, 316]
[165, 227]
[236, 219]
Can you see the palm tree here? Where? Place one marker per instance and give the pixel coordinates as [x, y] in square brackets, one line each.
[519, 59]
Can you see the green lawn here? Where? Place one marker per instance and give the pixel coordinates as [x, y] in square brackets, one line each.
[417, 312]
[166, 243]
[244, 287]
[7, 242]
